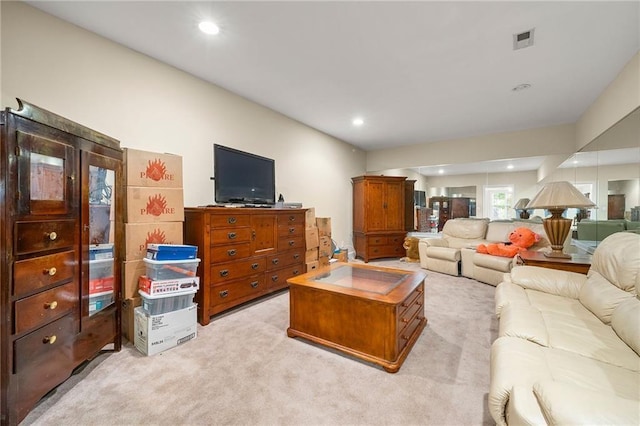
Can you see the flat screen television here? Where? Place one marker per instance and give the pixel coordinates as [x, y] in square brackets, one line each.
[241, 177]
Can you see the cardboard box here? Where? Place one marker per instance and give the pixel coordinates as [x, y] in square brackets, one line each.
[127, 322]
[138, 235]
[132, 270]
[310, 266]
[311, 237]
[310, 218]
[341, 256]
[324, 260]
[324, 226]
[154, 204]
[311, 255]
[152, 169]
[325, 247]
[157, 333]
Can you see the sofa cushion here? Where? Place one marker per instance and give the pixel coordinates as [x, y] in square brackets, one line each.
[600, 297]
[617, 259]
[498, 231]
[564, 403]
[502, 264]
[625, 321]
[465, 228]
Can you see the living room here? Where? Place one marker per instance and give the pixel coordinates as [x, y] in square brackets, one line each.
[149, 105]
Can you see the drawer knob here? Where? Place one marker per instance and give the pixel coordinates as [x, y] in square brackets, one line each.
[275, 261]
[52, 235]
[291, 243]
[51, 305]
[51, 271]
[405, 304]
[224, 273]
[231, 220]
[254, 284]
[224, 293]
[292, 230]
[292, 218]
[254, 266]
[406, 337]
[405, 320]
[231, 235]
[49, 339]
[296, 272]
[296, 256]
[274, 278]
[231, 252]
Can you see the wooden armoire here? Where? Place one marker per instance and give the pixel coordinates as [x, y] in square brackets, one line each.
[378, 216]
[61, 213]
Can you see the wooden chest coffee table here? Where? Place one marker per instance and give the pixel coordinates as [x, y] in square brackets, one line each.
[375, 314]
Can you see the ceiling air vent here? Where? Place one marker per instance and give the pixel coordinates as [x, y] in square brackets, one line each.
[522, 40]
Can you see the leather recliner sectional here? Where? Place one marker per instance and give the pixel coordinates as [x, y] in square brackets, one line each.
[568, 350]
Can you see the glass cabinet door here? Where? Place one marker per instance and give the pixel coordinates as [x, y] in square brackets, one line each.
[45, 176]
[99, 231]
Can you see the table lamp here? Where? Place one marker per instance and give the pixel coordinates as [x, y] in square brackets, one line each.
[556, 197]
[522, 206]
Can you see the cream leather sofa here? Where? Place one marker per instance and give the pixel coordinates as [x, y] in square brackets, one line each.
[455, 253]
[443, 254]
[490, 269]
[569, 344]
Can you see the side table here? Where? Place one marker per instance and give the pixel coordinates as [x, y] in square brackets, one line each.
[579, 263]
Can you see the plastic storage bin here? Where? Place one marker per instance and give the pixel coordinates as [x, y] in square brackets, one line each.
[156, 305]
[171, 269]
[99, 302]
[100, 251]
[171, 252]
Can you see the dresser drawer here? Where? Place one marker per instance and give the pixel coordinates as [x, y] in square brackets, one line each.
[41, 308]
[278, 279]
[377, 241]
[386, 251]
[44, 345]
[405, 334]
[237, 289]
[234, 270]
[409, 308]
[293, 230]
[32, 274]
[230, 252]
[32, 237]
[230, 235]
[230, 220]
[286, 219]
[289, 243]
[285, 259]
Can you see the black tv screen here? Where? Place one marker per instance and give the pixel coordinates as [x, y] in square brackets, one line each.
[241, 177]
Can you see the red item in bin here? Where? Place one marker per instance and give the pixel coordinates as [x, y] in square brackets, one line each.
[100, 285]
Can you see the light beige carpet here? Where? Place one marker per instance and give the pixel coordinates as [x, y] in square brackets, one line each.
[243, 369]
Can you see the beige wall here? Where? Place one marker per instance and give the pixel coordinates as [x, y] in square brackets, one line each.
[152, 106]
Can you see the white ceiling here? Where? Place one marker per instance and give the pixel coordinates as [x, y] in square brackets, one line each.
[416, 72]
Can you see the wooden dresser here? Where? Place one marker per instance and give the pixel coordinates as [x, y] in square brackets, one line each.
[378, 216]
[245, 253]
[61, 216]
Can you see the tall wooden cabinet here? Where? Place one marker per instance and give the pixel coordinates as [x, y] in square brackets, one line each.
[378, 216]
[61, 210]
[245, 253]
[445, 208]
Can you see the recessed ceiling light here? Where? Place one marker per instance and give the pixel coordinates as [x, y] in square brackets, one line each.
[519, 87]
[510, 166]
[208, 27]
[441, 171]
[358, 121]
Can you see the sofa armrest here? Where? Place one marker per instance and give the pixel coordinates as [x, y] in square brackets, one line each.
[551, 281]
[564, 404]
[434, 242]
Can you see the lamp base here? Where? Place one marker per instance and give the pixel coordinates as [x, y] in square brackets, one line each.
[557, 255]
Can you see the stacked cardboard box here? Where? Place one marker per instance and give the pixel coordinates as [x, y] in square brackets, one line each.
[324, 239]
[154, 213]
[311, 240]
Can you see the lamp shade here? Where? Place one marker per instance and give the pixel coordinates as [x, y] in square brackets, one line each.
[559, 195]
[521, 204]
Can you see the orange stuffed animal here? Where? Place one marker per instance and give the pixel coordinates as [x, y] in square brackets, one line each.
[521, 239]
